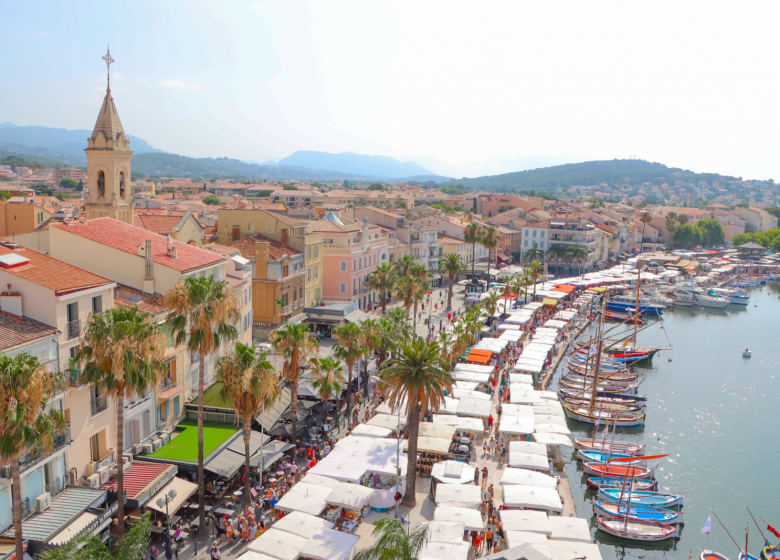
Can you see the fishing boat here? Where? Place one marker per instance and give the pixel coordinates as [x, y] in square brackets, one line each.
[600, 387]
[619, 418]
[606, 378]
[637, 530]
[746, 353]
[604, 457]
[645, 307]
[638, 513]
[737, 297]
[611, 469]
[604, 404]
[745, 556]
[617, 374]
[620, 483]
[630, 316]
[617, 397]
[711, 555]
[643, 498]
[770, 552]
[623, 447]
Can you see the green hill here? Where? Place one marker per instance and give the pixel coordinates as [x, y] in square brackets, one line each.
[7, 158]
[616, 171]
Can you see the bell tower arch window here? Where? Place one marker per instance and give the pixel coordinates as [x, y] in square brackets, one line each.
[122, 184]
[101, 183]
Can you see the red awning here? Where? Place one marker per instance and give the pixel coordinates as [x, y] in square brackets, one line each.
[139, 476]
[480, 352]
[565, 288]
[478, 359]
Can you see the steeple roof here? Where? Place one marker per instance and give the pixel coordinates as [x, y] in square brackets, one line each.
[109, 124]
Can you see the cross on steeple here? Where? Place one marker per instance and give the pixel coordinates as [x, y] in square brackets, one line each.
[109, 61]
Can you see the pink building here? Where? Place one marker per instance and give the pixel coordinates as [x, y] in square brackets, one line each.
[351, 251]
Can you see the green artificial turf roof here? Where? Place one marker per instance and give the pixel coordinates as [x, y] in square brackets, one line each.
[184, 447]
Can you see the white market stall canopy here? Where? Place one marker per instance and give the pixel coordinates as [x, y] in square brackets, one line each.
[389, 421]
[302, 524]
[529, 461]
[474, 368]
[533, 368]
[463, 393]
[522, 397]
[566, 550]
[552, 409]
[474, 407]
[532, 497]
[330, 545]
[458, 495]
[511, 336]
[553, 439]
[278, 544]
[453, 472]
[550, 419]
[349, 496]
[516, 320]
[471, 518]
[525, 477]
[384, 408]
[431, 429]
[517, 410]
[307, 498]
[462, 423]
[184, 489]
[368, 430]
[445, 551]
[431, 445]
[444, 531]
[523, 425]
[521, 378]
[522, 520]
[507, 327]
[556, 324]
[471, 376]
[570, 529]
[449, 406]
[552, 429]
[518, 538]
[531, 447]
[465, 385]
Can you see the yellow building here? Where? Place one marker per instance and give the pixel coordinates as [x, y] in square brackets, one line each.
[19, 218]
[236, 224]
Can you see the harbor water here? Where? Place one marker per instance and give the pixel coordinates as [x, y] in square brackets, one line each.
[717, 415]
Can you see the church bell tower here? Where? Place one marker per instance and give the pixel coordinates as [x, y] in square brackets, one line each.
[109, 188]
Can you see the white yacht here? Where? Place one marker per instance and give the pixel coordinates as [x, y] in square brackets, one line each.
[734, 296]
[690, 292]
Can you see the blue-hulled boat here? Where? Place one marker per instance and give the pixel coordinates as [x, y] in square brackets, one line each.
[639, 513]
[620, 482]
[643, 497]
[599, 457]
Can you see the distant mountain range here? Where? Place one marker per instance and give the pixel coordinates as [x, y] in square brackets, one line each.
[355, 164]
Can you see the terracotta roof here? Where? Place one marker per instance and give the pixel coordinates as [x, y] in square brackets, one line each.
[327, 225]
[224, 249]
[127, 238]
[449, 239]
[285, 219]
[51, 273]
[158, 224]
[275, 252]
[15, 331]
[234, 282]
[130, 297]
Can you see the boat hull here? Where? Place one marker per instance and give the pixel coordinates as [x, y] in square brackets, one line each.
[637, 530]
[625, 419]
[643, 309]
[597, 469]
[642, 498]
[711, 555]
[619, 446]
[639, 513]
[611, 482]
[712, 303]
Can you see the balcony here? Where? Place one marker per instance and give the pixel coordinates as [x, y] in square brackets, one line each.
[32, 458]
[99, 403]
[74, 329]
[170, 388]
[287, 309]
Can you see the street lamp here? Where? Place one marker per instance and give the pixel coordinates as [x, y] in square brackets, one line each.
[164, 501]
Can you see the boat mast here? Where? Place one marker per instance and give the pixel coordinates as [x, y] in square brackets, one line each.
[638, 283]
[598, 357]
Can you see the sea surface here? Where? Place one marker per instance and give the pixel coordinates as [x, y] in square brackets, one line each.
[717, 415]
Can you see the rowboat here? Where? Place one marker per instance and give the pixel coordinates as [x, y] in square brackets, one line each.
[643, 498]
[574, 378]
[636, 530]
[711, 555]
[601, 457]
[745, 556]
[619, 483]
[583, 414]
[563, 383]
[601, 404]
[624, 447]
[617, 397]
[770, 552]
[614, 470]
[587, 371]
[638, 513]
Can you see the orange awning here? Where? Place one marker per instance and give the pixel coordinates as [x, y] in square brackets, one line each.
[481, 352]
[550, 301]
[478, 359]
[565, 288]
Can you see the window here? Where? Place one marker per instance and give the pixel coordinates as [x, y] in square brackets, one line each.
[316, 251]
[285, 270]
[541, 234]
[343, 266]
[343, 287]
[308, 274]
[40, 217]
[176, 406]
[354, 265]
[525, 243]
[534, 233]
[308, 253]
[301, 292]
[97, 304]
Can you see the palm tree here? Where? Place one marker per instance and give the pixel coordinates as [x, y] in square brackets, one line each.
[645, 218]
[403, 266]
[350, 349]
[472, 234]
[420, 274]
[391, 328]
[369, 331]
[122, 352]
[25, 386]
[203, 315]
[418, 375]
[249, 382]
[578, 253]
[491, 303]
[327, 378]
[382, 279]
[452, 265]
[395, 542]
[558, 252]
[295, 343]
[489, 241]
[671, 226]
[534, 254]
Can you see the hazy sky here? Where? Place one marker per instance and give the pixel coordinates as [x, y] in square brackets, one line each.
[463, 88]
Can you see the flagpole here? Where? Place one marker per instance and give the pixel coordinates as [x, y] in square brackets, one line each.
[727, 531]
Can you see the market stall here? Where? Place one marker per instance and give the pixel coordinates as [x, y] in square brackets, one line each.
[278, 544]
[369, 430]
[520, 425]
[570, 529]
[471, 518]
[553, 439]
[306, 498]
[445, 551]
[531, 497]
[474, 407]
[566, 550]
[329, 545]
[531, 461]
[457, 495]
[525, 477]
[302, 524]
[389, 421]
[444, 531]
[347, 505]
[524, 520]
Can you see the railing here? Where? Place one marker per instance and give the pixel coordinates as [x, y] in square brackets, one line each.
[25, 507]
[32, 458]
[287, 309]
[74, 329]
[168, 383]
[194, 358]
[99, 404]
[55, 487]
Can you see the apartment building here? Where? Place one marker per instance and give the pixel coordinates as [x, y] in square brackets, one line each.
[149, 264]
[571, 232]
[278, 281]
[182, 226]
[23, 215]
[351, 252]
[756, 219]
[236, 224]
[63, 296]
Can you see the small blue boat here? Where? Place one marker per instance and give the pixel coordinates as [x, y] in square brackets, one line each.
[638, 513]
[599, 457]
[615, 482]
[642, 497]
